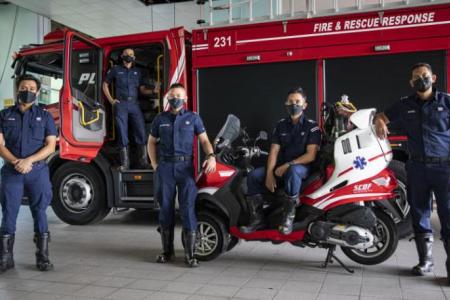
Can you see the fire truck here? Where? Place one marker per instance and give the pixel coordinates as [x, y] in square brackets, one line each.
[243, 69]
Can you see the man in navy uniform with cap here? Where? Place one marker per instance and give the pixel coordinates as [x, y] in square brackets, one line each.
[27, 138]
[128, 83]
[295, 142]
[175, 130]
[425, 118]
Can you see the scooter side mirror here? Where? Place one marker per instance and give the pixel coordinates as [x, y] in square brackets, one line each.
[262, 135]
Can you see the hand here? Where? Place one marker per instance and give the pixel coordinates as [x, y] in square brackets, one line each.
[154, 166]
[14, 55]
[209, 165]
[156, 89]
[281, 170]
[23, 166]
[381, 128]
[271, 182]
[115, 101]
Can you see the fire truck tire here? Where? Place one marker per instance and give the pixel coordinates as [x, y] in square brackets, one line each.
[79, 195]
[404, 227]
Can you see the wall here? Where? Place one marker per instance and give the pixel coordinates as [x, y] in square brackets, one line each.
[18, 27]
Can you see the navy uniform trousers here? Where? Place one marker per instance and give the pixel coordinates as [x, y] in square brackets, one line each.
[172, 176]
[38, 189]
[129, 111]
[422, 180]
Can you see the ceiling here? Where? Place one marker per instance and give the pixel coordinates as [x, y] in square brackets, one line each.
[100, 18]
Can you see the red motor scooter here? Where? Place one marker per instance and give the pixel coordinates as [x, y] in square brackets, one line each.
[342, 204]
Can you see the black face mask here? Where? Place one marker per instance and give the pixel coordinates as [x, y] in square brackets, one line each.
[176, 103]
[294, 109]
[128, 58]
[422, 84]
[26, 97]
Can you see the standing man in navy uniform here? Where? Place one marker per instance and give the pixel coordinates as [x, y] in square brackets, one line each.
[128, 83]
[176, 130]
[295, 143]
[27, 138]
[425, 118]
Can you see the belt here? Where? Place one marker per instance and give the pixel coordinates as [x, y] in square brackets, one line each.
[177, 158]
[431, 159]
[128, 99]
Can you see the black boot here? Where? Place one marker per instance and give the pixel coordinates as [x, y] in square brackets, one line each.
[288, 214]
[7, 257]
[143, 157]
[168, 253]
[255, 220]
[42, 261]
[447, 262]
[189, 248]
[424, 245]
[124, 159]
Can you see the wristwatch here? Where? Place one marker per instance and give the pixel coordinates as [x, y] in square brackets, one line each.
[210, 155]
[291, 163]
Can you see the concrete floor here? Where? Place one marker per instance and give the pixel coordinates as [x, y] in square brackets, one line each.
[115, 260]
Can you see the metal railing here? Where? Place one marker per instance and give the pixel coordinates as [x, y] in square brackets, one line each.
[277, 9]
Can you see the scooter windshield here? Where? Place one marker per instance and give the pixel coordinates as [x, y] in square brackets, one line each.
[229, 133]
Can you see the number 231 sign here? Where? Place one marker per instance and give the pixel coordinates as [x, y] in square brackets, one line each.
[222, 42]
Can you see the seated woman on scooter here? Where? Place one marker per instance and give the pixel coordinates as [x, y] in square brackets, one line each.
[295, 142]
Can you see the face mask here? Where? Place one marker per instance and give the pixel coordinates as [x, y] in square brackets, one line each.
[294, 109]
[128, 58]
[176, 103]
[26, 97]
[422, 84]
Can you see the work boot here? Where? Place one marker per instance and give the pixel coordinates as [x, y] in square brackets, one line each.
[255, 220]
[424, 245]
[7, 257]
[168, 253]
[189, 248]
[447, 262]
[288, 214]
[124, 159]
[42, 261]
[143, 157]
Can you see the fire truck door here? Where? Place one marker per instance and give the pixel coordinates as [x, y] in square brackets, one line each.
[83, 126]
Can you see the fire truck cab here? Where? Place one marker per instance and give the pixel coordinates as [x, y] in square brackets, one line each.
[241, 69]
[85, 177]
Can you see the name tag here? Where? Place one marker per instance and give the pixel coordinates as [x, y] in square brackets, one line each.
[411, 111]
[440, 108]
[164, 125]
[38, 119]
[11, 119]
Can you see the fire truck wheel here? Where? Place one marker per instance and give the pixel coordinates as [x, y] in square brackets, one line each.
[404, 226]
[79, 195]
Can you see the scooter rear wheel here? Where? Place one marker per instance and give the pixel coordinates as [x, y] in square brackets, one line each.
[385, 244]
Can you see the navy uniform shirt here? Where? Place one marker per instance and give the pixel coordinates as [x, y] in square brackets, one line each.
[127, 82]
[426, 124]
[25, 133]
[176, 132]
[294, 138]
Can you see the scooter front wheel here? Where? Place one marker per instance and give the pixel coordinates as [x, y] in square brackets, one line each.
[385, 242]
[211, 236]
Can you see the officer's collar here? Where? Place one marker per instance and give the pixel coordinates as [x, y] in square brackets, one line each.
[433, 98]
[301, 121]
[32, 108]
[181, 112]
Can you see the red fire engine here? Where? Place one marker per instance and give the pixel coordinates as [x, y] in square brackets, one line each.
[240, 69]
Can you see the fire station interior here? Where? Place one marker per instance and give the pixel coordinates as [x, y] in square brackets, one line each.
[348, 234]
